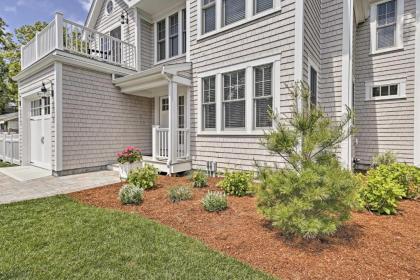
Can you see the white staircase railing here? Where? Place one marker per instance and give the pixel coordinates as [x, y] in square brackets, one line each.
[65, 35]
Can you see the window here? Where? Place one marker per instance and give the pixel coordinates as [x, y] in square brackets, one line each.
[173, 35]
[165, 104]
[181, 111]
[209, 102]
[184, 31]
[381, 91]
[386, 90]
[47, 105]
[313, 85]
[209, 15]
[36, 108]
[109, 7]
[386, 25]
[263, 95]
[234, 99]
[262, 5]
[233, 10]
[161, 35]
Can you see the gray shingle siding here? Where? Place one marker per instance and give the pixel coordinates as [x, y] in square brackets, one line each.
[385, 124]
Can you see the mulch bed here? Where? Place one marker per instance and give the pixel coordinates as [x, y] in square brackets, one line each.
[367, 247]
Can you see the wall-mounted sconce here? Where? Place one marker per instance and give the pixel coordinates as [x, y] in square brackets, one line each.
[124, 17]
[44, 93]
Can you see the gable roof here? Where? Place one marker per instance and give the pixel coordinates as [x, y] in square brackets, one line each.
[95, 10]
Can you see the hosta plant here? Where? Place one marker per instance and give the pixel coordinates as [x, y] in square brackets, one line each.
[143, 177]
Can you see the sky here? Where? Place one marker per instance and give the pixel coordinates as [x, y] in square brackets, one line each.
[20, 12]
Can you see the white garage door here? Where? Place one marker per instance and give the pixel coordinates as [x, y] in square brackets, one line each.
[40, 126]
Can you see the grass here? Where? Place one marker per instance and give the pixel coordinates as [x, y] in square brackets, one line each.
[5, 164]
[57, 238]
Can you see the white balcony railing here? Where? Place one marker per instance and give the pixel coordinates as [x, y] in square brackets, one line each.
[161, 143]
[65, 35]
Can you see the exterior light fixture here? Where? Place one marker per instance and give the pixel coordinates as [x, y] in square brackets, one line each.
[124, 17]
[44, 93]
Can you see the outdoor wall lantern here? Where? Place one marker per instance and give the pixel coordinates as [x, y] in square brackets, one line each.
[44, 93]
[124, 17]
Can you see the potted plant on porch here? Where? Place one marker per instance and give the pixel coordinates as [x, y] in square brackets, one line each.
[129, 159]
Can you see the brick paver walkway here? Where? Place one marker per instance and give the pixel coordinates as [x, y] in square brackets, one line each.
[13, 191]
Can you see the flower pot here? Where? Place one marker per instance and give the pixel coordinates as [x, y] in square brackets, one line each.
[125, 168]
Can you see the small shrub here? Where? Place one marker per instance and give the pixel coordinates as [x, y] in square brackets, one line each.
[143, 177]
[199, 179]
[407, 176]
[180, 193]
[215, 202]
[236, 183]
[380, 192]
[130, 194]
[386, 158]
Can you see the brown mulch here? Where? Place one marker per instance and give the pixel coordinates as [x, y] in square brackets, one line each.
[367, 247]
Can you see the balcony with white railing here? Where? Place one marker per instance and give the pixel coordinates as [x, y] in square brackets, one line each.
[68, 36]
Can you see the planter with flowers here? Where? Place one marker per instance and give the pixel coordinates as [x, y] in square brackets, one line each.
[129, 159]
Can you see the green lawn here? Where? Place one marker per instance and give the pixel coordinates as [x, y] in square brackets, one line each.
[57, 238]
[5, 164]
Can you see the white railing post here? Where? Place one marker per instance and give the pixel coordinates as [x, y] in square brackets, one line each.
[59, 17]
[155, 148]
[173, 106]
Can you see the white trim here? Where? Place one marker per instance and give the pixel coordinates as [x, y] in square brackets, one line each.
[399, 32]
[417, 90]
[249, 95]
[401, 89]
[249, 16]
[299, 31]
[106, 7]
[188, 46]
[347, 76]
[58, 112]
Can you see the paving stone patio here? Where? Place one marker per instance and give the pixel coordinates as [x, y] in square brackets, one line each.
[12, 190]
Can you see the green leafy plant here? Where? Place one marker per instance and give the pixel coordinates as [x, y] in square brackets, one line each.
[386, 158]
[313, 195]
[199, 179]
[236, 183]
[180, 193]
[130, 194]
[407, 176]
[215, 202]
[143, 177]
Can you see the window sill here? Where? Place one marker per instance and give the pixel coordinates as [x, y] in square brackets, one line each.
[388, 50]
[232, 133]
[236, 24]
[387, 98]
[169, 59]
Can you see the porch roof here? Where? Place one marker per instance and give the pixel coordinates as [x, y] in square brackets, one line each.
[146, 83]
[8, 117]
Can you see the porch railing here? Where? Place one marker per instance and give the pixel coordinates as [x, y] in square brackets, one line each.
[161, 142]
[65, 35]
[9, 148]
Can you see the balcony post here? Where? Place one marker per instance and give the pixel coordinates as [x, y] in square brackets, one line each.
[59, 17]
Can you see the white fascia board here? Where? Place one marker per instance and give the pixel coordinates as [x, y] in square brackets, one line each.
[417, 90]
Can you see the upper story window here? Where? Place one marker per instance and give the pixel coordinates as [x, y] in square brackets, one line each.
[262, 5]
[233, 11]
[173, 35]
[161, 43]
[171, 29]
[109, 7]
[209, 15]
[387, 25]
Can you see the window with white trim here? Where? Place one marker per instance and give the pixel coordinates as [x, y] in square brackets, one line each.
[208, 15]
[209, 102]
[386, 90]
[184, 30]
[233, 11]
[181, 111]
[262, 5]
[313, 85]
[165, 104]
[36, 108]
[234, 100]
[109, 7]
[387, 25]
[47, 105]
[173, 35]
[161, 42]
[263, 95]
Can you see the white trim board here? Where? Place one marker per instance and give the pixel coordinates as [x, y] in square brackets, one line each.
[417, 90]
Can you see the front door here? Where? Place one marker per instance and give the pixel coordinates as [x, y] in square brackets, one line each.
[164, 112]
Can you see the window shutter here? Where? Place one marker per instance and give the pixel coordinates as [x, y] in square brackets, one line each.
[262, 5]
[234, 10]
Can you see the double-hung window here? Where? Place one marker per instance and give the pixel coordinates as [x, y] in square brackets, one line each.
[263, 95]
[262, 5]
[184, 31]
[161, 40]
[234, 100]
[208, 15]
[313, 85]
[233, 11]
[173, 35]
[386, 24]
[209, 102]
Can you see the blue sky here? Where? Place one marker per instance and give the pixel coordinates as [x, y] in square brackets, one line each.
[19, 12]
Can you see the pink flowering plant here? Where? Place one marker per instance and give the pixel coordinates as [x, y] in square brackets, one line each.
[129, 155]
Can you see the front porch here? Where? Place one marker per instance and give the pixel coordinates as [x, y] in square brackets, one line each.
[169, 86]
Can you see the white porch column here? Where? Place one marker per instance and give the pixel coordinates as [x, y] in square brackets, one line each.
[173, 122]
[347, 77]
